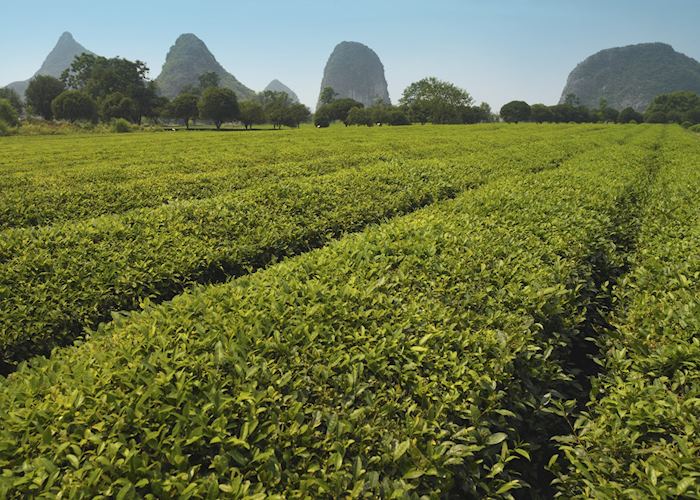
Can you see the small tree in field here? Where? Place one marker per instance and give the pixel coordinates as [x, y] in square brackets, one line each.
[360, 116]
[515, 111]
[628, 115]
[219, 105]
[295, 114]
[251, 113]
[73, 105]
[42, 90]
[184, 107]
[13, 97]
[8, 113]
[117, 105]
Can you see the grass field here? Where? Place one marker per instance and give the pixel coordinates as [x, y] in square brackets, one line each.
[348, 312]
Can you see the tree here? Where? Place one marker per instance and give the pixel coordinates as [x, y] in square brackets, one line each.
[656, 117]
[218, 105]
[296, 114]
[540, 113]
[157, 109]
[418, 112]
[515, 111]
[564, 113]
[8, 113]
[629, 115]
[14, 98]
[673, 106]
[486, 113]
[476, 114]
[692, 116]
[605, 113]
[207, 80]
[328, 95]
[398, 117]
[251, 113]
[338, 109]
[436, 100]
[184, 107]
[100, 77]
[322, 117]
[74, 105]
[40, 92]
[276, 105]
[360, 116]
[117, 105]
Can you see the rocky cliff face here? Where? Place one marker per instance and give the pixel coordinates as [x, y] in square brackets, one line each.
[277, 86]
[632, 76]
[58, 60]
[186, 61]
[354, 70]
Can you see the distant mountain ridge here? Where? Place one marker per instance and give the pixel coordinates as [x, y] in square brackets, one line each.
[632, 76]
[277, 86]
[58, 60]
[189, 58]
[354, 70]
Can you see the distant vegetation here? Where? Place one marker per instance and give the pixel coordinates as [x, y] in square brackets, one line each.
[678, 107]
[96, 89]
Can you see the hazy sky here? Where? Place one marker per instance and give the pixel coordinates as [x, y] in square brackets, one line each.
[498, 50]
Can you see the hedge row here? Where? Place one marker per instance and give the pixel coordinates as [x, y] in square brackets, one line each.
[57, 280]
[396, 362]
[72, 178]
[639, 438]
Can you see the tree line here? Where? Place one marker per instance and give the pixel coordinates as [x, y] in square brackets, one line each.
[96, 88]
[677, 107]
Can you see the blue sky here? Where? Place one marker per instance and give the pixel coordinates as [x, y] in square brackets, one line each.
[498, 50]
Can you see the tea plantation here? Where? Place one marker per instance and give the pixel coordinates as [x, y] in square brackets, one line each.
[440, 311]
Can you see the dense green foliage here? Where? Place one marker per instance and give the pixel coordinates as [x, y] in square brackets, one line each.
[279, 109]
[8, 113]
[117, 261]
[251, 113]
[409, 359]
[515, 111]
[629, 115]
[218, 105]
[117, 105]
[183, 107]
[13, 97]
[437, 101]
[73, 105]
[435, 353]
[119, 86]
[639, 437]
[42, 90]
[677, 107]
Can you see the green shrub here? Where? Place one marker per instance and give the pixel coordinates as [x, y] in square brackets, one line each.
[173, 241]
[639, 435]
[686, 124]
[695, 128]
[4, 128]
[399, 362]
[121, 126]
[8, 113]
